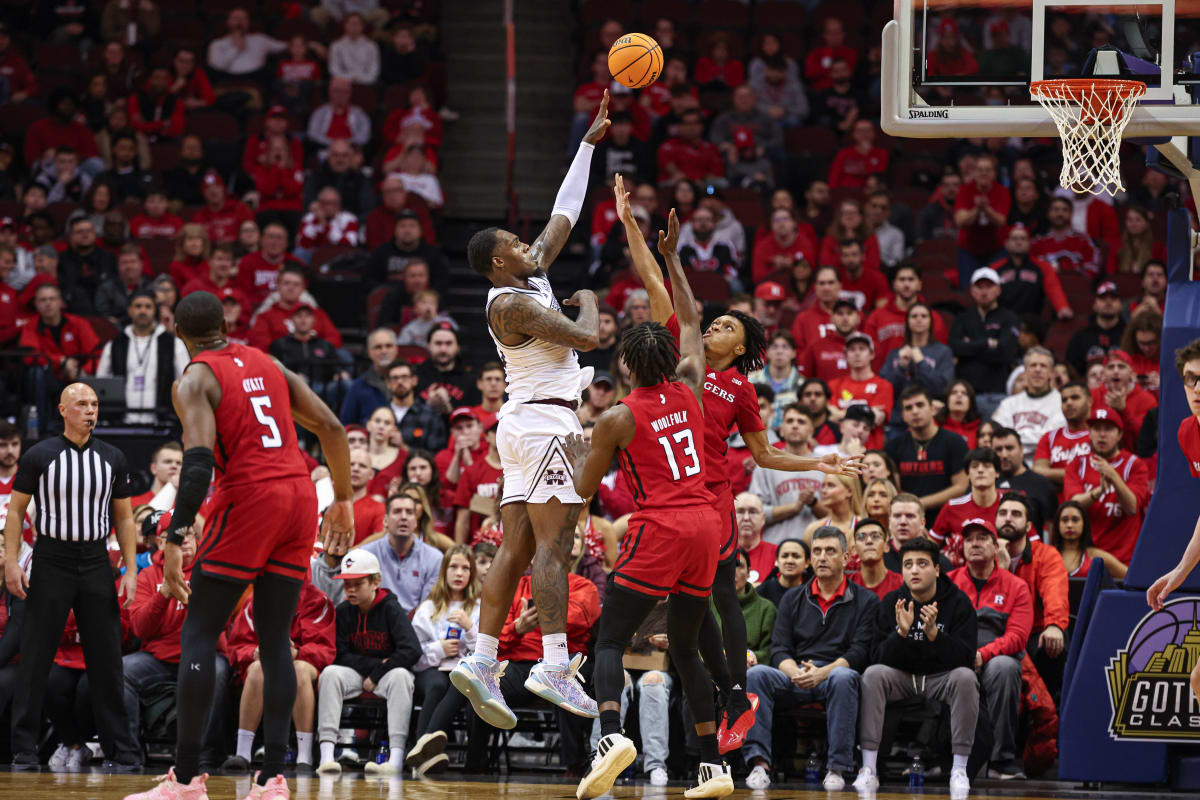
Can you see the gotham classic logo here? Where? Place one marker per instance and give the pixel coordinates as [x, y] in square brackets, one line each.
[1148, 680]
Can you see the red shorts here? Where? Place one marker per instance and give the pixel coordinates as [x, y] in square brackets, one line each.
[667, 552]
[727, 530]
[260, 527]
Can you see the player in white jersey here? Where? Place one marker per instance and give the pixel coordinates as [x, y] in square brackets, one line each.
[539, 507]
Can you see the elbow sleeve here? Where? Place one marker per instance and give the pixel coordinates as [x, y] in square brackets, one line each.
[573, 191]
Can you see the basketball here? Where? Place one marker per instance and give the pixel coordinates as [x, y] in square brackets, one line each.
[635, 60]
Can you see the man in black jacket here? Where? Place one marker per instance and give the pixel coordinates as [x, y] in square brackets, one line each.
[821, 642]
[1104, 330]
[389, 260]
[83, 265]
[376, 650]
[984, 339]
[926, 634]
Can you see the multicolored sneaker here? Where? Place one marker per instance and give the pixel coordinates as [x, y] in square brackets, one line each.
[274, 789]
[714, 780]
[562, 686]
[613, 754]
[170, 789]
[479, 681]
[731, 737]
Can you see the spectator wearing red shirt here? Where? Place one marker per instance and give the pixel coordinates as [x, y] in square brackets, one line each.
[257, 271]
[280, 181]
[21, 83]
[809, 326]
[419, 112]
[221, 215]
[1121, 393]
[60, 129]
[155, 221]
[866, 287]
[849, 224]
[368, 512]
[952, 56]
[871, 541]
[1064, 248]
[718, 68]
[191, 84]
[861, 386]
[275, 126]
[981, 214]
[820, 59]
[274, 322]
[1111, 483]
[236, 314]
[748, 510]
[1058, 448]
[338, 119]
[11, 313]
[156, 112]
[192, 247]
[381, 223]
[466, 445]
[688, 156]
[218, 277]
[825, 356]
[983, 469]
[853, 164]
[327, 223]
[63, 342]
[1027, 282]
[477, 485]
[788, 243]
[886, 324]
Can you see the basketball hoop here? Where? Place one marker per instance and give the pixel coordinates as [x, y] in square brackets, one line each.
[1091, 114]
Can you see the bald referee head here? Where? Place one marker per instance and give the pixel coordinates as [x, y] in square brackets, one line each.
[79, 407]
[200, 321]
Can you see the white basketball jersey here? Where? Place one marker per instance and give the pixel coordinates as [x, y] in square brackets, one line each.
[537, 369]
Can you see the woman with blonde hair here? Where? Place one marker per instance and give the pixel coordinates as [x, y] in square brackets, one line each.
[877, 500]
[842, 496]
[447, 624]
[1138, 243]
[425, 517]
[192, 248]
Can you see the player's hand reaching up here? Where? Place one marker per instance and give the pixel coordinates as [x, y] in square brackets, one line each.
[668, 241]
[834, 464]
[337, 529]
[174, 584]
[600, 123]
[621, 197]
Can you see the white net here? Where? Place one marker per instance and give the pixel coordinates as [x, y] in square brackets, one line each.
[1091, 115]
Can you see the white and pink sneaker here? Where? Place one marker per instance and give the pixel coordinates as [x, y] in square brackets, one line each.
[274, 789]
[170, 789]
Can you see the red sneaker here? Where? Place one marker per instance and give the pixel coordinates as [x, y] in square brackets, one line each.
[731, 737]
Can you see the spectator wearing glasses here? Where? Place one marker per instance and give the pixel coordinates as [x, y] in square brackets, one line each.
[871, 541]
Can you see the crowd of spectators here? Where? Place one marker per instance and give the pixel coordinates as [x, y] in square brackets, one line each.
[988, 343]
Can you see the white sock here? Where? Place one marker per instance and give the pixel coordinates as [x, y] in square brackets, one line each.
[870, 758]
[960, 762]
[303, 747]
[396, 755]
[554, 649]
[245, 743]
[486, 646]
[326, 752]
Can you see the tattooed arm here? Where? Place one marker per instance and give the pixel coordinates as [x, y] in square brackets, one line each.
[516, 317]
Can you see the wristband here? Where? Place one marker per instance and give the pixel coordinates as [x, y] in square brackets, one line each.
[175, 536]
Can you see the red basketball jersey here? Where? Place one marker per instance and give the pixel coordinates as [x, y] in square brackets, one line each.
[664, 462]
[256, 440]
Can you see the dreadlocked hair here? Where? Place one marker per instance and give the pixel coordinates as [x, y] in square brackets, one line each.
[755, 342]
[650, 353]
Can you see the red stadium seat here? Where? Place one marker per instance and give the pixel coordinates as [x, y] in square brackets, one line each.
[299, 26]
[103, 328]
[212, 125]
[374, 304]
[1128, 284]
[412, 353]
[160, 252]
[770, 15]
[678, 11]
[723, 14]
[60, 212]
[50, 55]
[328, 252]
[810, 141]
[1078, 289]
[164, 155]
[184, 29]
[746, 205]
[708, 286]
[365, 97]
[594, 12]
[15, 118]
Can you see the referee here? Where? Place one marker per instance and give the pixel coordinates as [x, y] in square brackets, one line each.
[81, 486]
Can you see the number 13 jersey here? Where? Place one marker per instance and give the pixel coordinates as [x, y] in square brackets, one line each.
[256, 438]
[664, 462]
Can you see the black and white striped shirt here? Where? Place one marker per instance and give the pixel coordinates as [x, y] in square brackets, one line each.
[73, 487]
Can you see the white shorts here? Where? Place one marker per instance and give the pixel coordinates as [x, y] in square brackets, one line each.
[531, 441]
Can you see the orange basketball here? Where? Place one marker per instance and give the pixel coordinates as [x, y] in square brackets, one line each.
[635, 60]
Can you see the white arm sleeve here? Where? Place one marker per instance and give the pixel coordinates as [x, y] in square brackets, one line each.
[573, 191]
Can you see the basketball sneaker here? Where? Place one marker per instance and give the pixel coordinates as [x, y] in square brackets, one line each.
[562, 686]
[732, 736]
[170, 789]
[274, 789]
[479, 681]
[614, 753]
[715, 780]
[427, 747]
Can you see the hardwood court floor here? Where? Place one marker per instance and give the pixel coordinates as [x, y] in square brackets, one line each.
[97, 786]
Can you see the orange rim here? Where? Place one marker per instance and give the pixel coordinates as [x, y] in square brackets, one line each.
[1069, 87]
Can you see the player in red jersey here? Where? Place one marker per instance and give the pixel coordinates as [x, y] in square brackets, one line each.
[671, 546]
[1187, 362]
[733, 348]
[241, 402]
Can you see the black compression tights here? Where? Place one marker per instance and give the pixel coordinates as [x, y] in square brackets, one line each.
[724, 648]
[209, 607]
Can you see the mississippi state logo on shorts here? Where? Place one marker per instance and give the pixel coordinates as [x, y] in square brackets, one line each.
[555, 477]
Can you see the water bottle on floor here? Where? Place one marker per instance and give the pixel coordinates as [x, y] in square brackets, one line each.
[381, 755]
[812, 769]
[916, 773]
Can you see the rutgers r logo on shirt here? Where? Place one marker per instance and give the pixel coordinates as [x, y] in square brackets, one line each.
[998, 600]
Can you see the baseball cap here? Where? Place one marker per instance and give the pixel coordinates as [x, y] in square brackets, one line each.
[603, 377]
[155, 523]
[844, 301]
[461, 413]
[355, 428]
[978, 522]
[862, 413]
[407, 213]
[230, 295]
[48, 251]
[1104, 414]
[1119, 355]
[213, 177]
[1107, 287]
[277, 111]
[985, 274]
[861, 338]
[309, 307]
[743, 137]
[7, 222]
[769, 291]
[358, 563]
